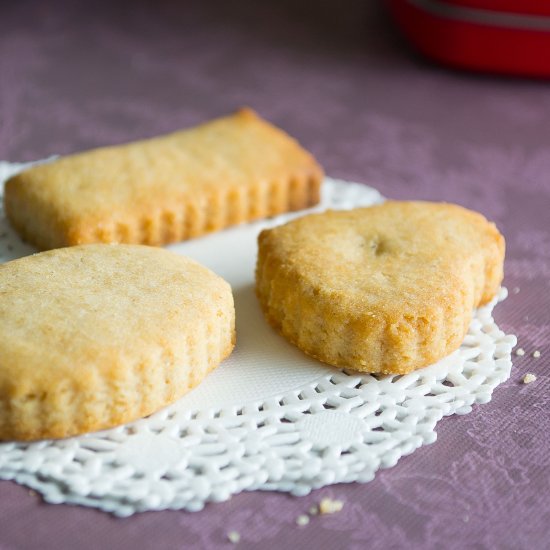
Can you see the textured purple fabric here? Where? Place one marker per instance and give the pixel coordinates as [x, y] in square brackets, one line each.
[75, 75]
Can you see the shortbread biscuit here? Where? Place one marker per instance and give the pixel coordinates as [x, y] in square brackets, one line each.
[385, 289]
[231, 170]
[95, 336]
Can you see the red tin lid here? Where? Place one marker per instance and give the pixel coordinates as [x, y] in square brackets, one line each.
[524, 7]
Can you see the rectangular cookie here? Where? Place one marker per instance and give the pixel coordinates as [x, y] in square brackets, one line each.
[170, 188]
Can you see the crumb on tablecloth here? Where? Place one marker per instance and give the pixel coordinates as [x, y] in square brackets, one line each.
[234, 537]
[313, 511]
[329, 506]
[302, 520]
[528, 378]
[520, 352]
[536, 354]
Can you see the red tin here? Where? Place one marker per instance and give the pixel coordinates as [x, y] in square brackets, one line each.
[500, 36]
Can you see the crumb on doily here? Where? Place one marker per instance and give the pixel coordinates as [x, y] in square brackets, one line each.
[234, 537]
[520, 352]
[302, 520]
[313, 511]
[536, 354]
[528, 378]
[329, 506]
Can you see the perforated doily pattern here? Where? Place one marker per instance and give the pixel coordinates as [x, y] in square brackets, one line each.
[293, 424]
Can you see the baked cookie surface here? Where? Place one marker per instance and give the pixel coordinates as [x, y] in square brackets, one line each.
[99, 335]
[166, 189]
[385, 289]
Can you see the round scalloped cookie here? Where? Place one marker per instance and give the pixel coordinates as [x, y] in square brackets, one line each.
[99, 335]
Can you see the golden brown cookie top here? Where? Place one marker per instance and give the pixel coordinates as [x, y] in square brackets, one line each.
[395, 255]
[90, 312]
[226, 153]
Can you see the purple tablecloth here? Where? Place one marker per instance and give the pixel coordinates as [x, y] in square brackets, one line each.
[75, 75]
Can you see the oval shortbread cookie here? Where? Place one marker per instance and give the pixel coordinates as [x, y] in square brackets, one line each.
[385, 289]
[96, 336]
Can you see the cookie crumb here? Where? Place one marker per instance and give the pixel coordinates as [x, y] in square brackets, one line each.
[32, 493]
[528, 378]
[329, 506]
[302, 520]
[515, 290]
[313, 511]
[536, 354]
[234, 537]
[520, 352]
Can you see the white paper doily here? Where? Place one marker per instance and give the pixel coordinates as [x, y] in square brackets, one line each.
[269, 417]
